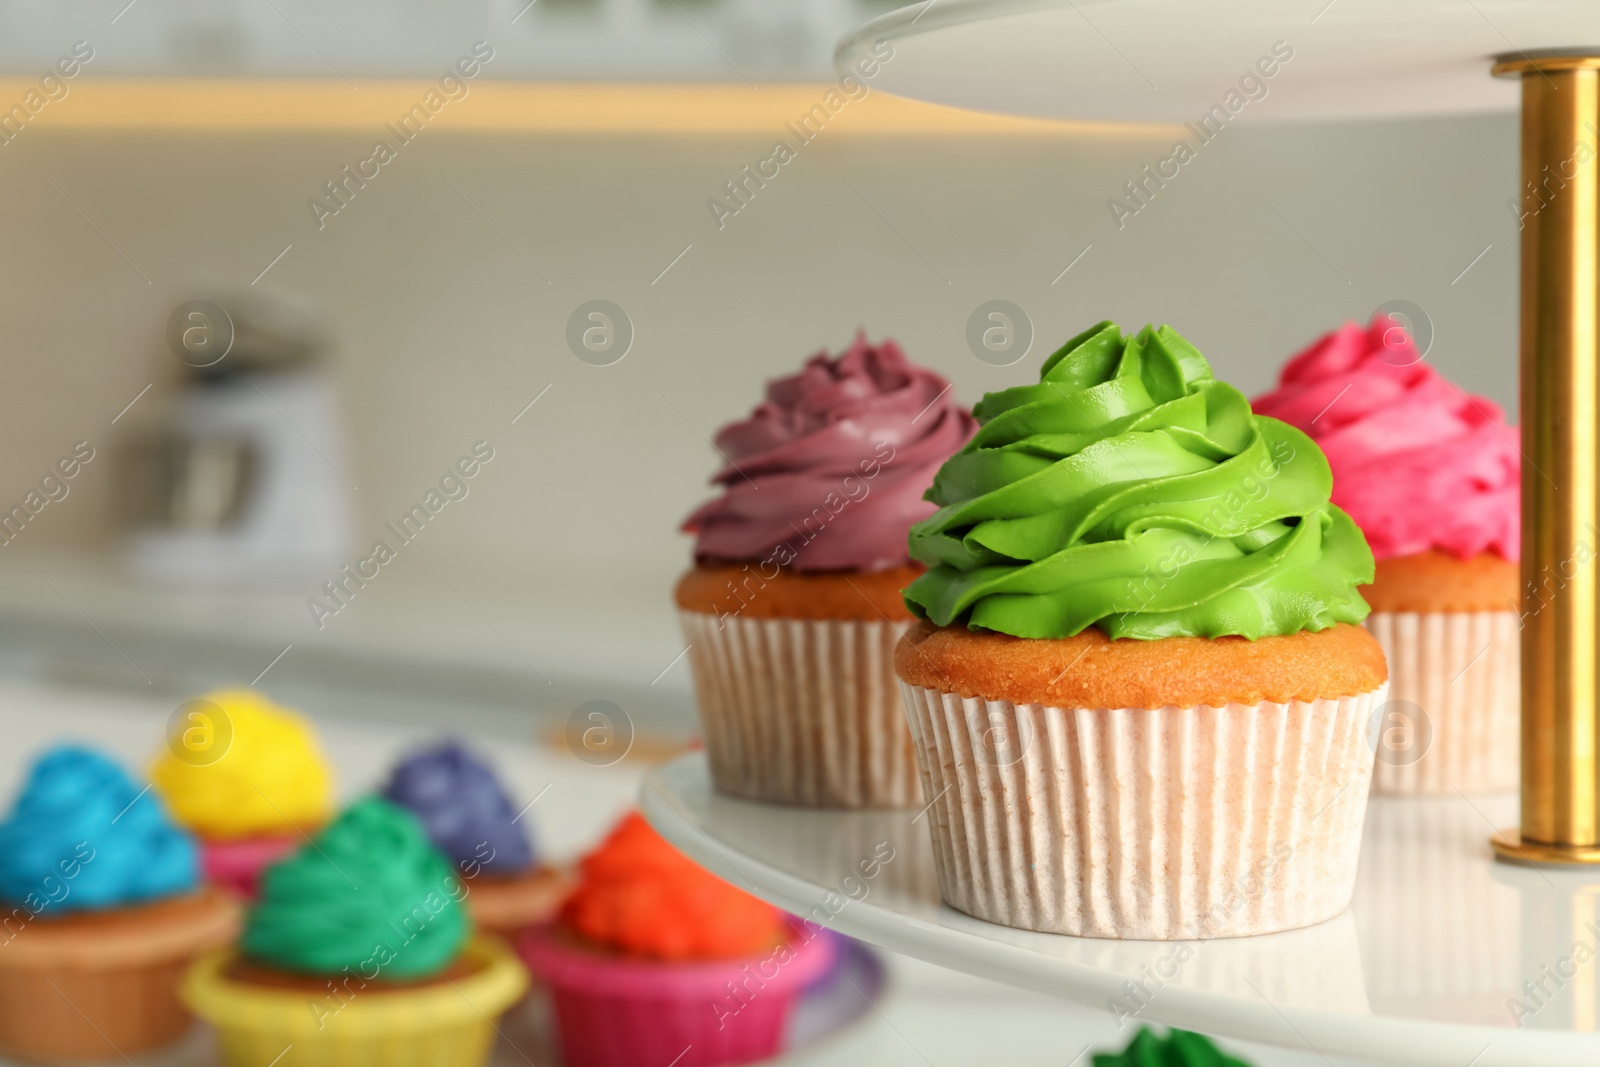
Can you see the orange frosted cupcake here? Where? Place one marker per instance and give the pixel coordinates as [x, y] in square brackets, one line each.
[792, 609]
[655, 960]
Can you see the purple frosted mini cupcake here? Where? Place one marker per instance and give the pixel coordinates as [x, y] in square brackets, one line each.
[466, 813]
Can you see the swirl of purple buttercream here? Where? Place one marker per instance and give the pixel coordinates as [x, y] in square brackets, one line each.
[828, 472]
[462, 806]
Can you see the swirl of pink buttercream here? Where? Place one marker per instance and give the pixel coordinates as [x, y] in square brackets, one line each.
[828, 472]
[1417, 462]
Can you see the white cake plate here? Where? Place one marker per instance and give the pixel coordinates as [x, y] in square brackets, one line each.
[1446, 957]
[1423, 969]
[1173, 60]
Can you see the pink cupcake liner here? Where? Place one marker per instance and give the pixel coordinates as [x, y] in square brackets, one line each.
[613, 1011]
[237, 865]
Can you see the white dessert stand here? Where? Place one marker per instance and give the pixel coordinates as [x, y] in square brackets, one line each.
[1169, 61]
[1420, 970]
[1446, 957]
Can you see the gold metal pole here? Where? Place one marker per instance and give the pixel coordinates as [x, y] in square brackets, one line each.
[1561, 458]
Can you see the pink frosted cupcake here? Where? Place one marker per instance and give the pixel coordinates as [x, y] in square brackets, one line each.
[655, 960]
[793, 607]
[1432, 476]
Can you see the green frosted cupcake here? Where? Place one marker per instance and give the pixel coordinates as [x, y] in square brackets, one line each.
[1139, 689]
[1180, 1048]
[359, 951]
[370, 897]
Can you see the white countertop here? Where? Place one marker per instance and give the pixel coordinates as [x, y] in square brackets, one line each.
[929, 1017]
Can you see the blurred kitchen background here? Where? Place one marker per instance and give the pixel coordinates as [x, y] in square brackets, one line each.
[250, 390]
[375, 346]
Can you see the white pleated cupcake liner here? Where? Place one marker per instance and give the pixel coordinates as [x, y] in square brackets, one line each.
[1462, 669]
[803, 711]
[1166, 824]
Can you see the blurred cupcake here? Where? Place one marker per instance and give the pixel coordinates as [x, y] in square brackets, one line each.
[364, 926]
[793, 606]
[1433, 477]
[1179, 1048]
[466, 814]
[655, 960]
[103, 911]
[1139, 698]
[248, 777]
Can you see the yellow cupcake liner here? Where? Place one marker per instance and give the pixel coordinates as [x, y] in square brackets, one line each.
[451, 1024]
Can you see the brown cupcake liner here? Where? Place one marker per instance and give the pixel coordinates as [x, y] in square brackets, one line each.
[803, 711]
[1459, 674]
[1166, 824]
[105, 986]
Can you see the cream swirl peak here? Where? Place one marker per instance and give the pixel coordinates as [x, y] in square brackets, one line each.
[1417, 462]
[828, 472]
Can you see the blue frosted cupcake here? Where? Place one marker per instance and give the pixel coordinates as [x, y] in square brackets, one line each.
[103, 909]
[465, 810]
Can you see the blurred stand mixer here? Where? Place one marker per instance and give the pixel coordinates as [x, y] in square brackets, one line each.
[243, 480]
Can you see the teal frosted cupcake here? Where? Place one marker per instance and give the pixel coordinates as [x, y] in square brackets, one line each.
[359, 951]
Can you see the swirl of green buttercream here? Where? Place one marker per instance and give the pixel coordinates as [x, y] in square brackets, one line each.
[369, 893]
[1179, 1048]
[1131, 491]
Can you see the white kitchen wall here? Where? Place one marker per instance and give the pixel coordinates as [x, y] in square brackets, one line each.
[451, 276]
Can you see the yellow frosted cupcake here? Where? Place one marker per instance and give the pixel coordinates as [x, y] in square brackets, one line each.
[248, 778]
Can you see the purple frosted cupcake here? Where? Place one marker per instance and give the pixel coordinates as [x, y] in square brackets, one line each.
[793, 606]
[469, 818]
